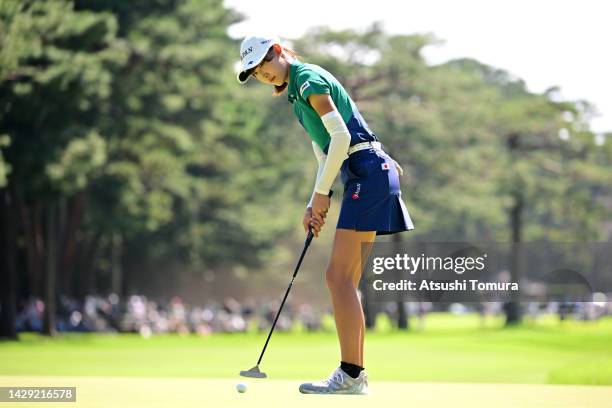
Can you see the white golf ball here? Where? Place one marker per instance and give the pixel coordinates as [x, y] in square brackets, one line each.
[241, 387]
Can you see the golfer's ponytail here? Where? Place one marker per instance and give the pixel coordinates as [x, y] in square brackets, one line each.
[291, 53]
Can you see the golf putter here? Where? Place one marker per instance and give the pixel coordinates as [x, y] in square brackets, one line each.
[255, 372]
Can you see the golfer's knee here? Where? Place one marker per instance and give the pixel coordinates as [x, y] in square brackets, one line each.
[338, 277]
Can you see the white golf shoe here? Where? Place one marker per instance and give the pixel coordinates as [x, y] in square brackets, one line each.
[338, 383]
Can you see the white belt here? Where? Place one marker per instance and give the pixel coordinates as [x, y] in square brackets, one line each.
[363, 146]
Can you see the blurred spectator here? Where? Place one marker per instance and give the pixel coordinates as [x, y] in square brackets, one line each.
[138, 314]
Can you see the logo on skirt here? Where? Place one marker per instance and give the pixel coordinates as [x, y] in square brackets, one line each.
[356, 193]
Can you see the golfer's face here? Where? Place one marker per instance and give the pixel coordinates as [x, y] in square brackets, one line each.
[270, 72]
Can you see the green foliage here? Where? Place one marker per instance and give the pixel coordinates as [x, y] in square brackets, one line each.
[191, 167]
[81, 157]
[56, 70]
[452, 127]
[129, 116]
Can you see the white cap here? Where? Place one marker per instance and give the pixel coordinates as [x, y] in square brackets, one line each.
[252, 51]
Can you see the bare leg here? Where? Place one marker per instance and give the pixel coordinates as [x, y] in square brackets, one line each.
[343, 274]
[366, 247]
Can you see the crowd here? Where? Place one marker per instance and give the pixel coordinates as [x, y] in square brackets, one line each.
[139, 314]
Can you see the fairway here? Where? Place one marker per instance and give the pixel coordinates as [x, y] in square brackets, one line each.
[94, 392]
[449, 349]
[455, 361]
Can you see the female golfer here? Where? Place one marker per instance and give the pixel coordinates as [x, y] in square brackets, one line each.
[371, 204]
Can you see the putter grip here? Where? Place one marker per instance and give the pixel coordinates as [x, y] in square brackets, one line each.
[310, 233]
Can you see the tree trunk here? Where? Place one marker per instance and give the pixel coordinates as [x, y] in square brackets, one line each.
[8, 276]
[30, 222]
[368, 310]
[86, 278]
[49, 327]
[512, 308]
[39, 248]
[72, 216]
[116, 266]
[402, 315]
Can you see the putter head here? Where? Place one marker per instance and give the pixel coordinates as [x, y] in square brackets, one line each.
[253, 373]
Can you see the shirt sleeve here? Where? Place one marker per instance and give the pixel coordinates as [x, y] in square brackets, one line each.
[311, 83]
[337, 151]
[321, 162]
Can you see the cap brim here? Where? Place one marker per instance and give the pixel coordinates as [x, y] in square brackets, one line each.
[243, 76]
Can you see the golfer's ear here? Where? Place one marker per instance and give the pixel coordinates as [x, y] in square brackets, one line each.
[277, 49]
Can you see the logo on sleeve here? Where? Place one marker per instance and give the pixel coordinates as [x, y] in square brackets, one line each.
[304, 86]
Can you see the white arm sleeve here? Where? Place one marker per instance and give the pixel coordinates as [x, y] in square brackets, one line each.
[321, 160]
[337, 151]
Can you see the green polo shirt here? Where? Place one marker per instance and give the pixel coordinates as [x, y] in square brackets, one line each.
[309, 79]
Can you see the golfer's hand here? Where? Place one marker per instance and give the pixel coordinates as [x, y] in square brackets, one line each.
[320, 206]
[310, 222]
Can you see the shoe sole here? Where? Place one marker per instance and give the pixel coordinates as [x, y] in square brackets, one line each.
[332, 393]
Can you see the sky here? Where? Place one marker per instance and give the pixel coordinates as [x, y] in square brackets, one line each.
[565, 43]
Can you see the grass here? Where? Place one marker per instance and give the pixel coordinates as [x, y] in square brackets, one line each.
[457, 349]
[104, 392]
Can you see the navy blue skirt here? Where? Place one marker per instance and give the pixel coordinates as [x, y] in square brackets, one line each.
[372, 199]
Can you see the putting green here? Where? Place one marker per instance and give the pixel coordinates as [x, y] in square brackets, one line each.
[449, 349]
[117, 392]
